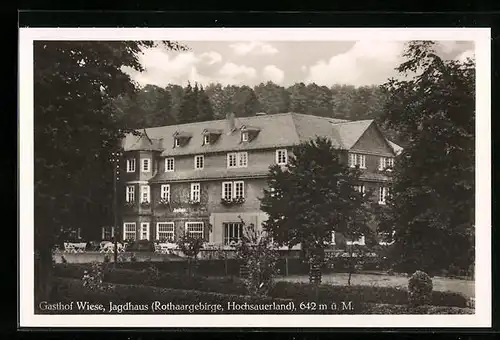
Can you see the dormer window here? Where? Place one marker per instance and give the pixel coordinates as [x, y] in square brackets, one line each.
[181, 138]
[210, 136]
[206, 139]
[244, 136]
[249, 133]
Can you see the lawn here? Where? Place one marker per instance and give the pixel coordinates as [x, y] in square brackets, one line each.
[465, 287]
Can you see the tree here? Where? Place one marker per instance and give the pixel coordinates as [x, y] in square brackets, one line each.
[191, 247]
[342, 100]
[244, 102]
[74, 134]
[205, 111]
[311, 197]
[272, 98]
[319, 99]
[257, 253]
[149, 107]
[298, 98]
[162, 114]
[176, 94]
[219, 100]
[431, 208]
[189, 108]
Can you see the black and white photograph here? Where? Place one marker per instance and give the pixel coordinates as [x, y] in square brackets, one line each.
[254, 177]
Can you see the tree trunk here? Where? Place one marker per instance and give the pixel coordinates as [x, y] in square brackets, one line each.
[43, 274]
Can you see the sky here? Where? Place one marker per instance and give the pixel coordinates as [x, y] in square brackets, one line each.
[358, 63]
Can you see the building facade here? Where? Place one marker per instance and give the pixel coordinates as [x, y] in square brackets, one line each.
[204, 178]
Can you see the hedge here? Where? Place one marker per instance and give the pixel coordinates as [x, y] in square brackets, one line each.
[165, 280]
[71, 290]
[230, 267]
[288, 290]
[361, 294]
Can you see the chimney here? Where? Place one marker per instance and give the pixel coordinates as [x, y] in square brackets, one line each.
[230, 122]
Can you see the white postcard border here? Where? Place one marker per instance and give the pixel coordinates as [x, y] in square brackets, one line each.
[481, 37]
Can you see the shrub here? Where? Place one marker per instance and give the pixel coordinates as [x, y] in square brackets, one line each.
[133, 258]
[93, 279]
[190, 246]
[106, 258]
[419, 289]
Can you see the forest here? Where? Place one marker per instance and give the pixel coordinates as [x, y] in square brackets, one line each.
[153, 106]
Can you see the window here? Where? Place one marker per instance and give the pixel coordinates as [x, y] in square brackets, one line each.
[233, 232]
[144, 235]
[244, 136]
[386, 162]
[242, 159]
[206, 139]
[333, 238]
[360, 241]
[145, 165]
[198, 162]
[357, 159]
[227, 190]
[108, 233]
[194, 229]
[281, 157]
[195, 192]
[129, 231]
[233, 190]
[130, 197]
[169, 164]
[165, 192]
[177, 142]
[360, 188]
[165, 231]
[145, 194]
[239, 189]
[231, 160]
[383, 192]
[237, 160]
[131, 165]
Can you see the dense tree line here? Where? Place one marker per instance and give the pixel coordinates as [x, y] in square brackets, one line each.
[155, 106]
